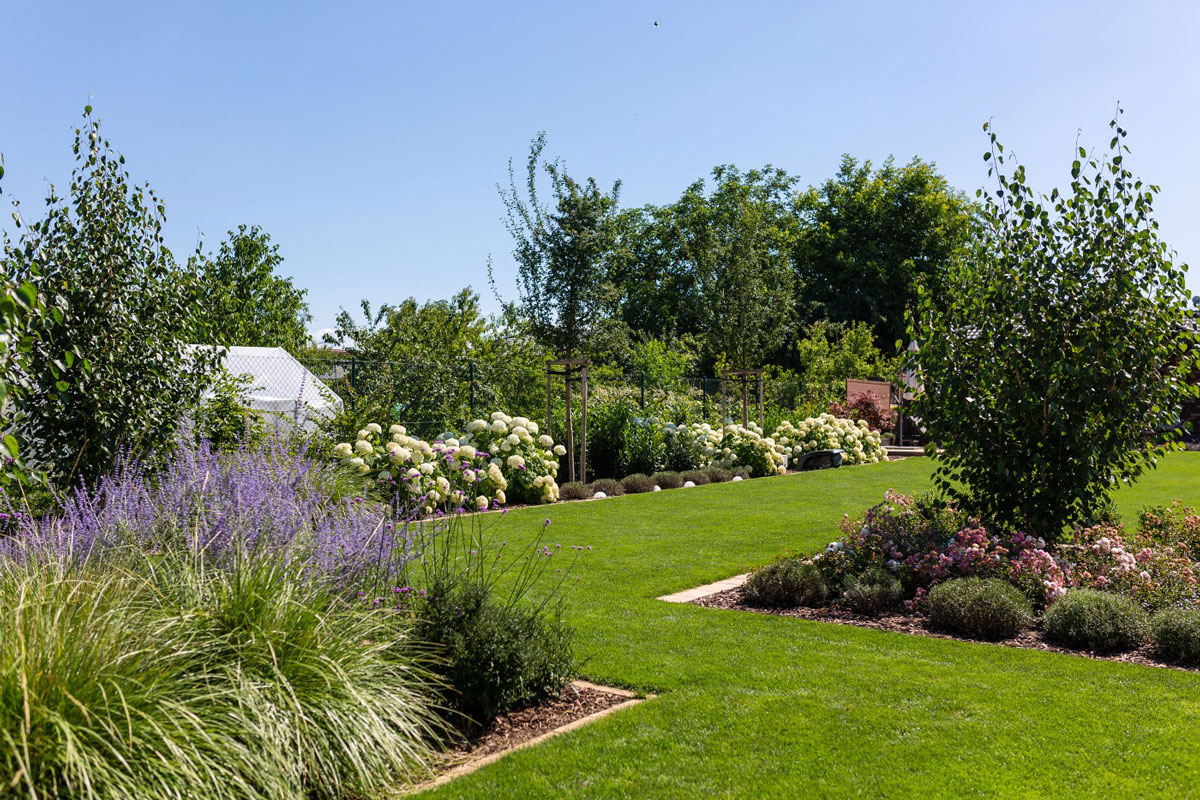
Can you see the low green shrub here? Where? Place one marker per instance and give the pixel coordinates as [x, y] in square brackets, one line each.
[982, 608]
[498, 656]
[637, 483]
[745, 473]
[575, 490]
[610, 487]
[873, 592]
[696, 476]
[718, 474]
[1176, 635]
[786, 584]
[1100, 621]
[667, 480]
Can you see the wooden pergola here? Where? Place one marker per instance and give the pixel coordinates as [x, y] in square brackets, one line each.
[571, 370]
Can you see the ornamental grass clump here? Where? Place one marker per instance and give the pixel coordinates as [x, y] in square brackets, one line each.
[982, 608]
[1176, 635]
[787, 583]
[1099, 621]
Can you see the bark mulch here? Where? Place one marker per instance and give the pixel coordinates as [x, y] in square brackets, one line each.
[1032, 638]
[511, 729]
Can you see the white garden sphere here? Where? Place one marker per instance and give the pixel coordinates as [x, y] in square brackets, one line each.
[737, 477]
[688, 484]
[599, 495]
[656, 489]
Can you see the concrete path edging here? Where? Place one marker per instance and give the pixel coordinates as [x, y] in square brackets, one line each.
[690, 595]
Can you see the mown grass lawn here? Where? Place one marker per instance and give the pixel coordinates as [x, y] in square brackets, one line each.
[752, 705]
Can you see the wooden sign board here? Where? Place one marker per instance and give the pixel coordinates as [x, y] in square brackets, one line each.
[879, 391]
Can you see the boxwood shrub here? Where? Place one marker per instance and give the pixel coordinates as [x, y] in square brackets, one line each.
[980, 608]
[1100, 621]
[786, 584]
[1176, 635]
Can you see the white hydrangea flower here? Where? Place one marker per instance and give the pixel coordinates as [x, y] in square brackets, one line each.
[363, 447]
[343, 450]
[373, 427]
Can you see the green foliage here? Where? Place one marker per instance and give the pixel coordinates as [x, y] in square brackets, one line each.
[787, 583]
[224, 418]
[621, 441]
[718, 474]
[241, 299]
[500, 656]
[1099, 621]
[873, 591]
[982, 608]
[162, 677]
[564, 251]
[832, 352]
[869, 236]
[1055, 359]
[699, 477]
[735, 243]
[1176, 635]
[100, 254]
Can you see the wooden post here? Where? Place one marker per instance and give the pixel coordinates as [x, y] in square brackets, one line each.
[761, 419]
[724, 401]
[549, 409]
[583, 434]
[745, 400]
[570, 428]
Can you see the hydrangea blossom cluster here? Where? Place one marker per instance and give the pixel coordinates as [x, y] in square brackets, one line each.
[496, 462]
[747, 447]
[860, 444]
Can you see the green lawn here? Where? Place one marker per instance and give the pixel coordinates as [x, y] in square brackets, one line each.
[760, 706]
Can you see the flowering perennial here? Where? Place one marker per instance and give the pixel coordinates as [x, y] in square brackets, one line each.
[858, 443]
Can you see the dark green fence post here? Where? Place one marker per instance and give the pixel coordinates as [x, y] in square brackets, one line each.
[353, 379]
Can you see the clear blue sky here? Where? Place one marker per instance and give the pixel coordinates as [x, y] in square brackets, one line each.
[367, 138]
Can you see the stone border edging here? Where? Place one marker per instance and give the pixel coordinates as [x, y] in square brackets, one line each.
[690, 595]
[467, 767]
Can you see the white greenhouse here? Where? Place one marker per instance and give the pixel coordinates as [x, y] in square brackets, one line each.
[279, 386]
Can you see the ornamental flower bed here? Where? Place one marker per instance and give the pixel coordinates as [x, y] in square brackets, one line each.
[860, 444]
[880, 573]
[495, 462]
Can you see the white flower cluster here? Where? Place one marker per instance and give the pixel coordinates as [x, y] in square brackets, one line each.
[494, 463]
[529, 460]
[747, 447]
[858, 443]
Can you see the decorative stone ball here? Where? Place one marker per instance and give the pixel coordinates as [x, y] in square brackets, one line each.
[737, 477]
[599, 495]
[656, 489]
[688, 484]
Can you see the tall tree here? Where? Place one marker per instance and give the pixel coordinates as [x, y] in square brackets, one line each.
[736, 244]
[869, 235]
[1055, 364]
[100, 254]
[243, 301]
[565, 251]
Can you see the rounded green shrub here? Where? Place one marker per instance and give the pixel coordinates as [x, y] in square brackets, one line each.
[1176, 635]
[667, 480]
[718, 474]
[786, 584]
[696, 476]
[873, 592]
[609, 486]
[637, 483]
[575, 490]
[982, 608]
[1100, 621]
[743, 472]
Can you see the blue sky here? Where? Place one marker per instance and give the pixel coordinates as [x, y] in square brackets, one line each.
[367, 138]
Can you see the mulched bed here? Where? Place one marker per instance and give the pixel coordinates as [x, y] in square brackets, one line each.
[515, 727]
[1033, 638]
